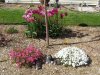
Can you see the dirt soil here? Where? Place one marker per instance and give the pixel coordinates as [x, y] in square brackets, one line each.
[86, 38]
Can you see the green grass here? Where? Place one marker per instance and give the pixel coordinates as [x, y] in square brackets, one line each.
[76, 18]
[14, 16]
[11, 16]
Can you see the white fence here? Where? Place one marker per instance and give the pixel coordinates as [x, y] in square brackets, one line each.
[22, 1]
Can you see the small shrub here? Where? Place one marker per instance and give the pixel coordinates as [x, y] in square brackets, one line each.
[12, 30]
[25, 57]
[3, 41]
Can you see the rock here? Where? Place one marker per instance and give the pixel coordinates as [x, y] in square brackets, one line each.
[57, 61]
[39, 64]
[49, 59]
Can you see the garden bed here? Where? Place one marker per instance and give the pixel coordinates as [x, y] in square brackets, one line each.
[86, 38]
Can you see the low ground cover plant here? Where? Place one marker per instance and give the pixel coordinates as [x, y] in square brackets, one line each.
[4, 40]
[25, 57]
[11, 30]
[73, 56]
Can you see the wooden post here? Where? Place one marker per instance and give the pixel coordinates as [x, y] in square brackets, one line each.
[46, 23]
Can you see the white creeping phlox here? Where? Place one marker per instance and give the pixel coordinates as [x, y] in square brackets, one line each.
[72, 56]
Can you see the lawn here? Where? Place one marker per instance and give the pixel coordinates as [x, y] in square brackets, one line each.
[76, 18]
[10, 16]
[14, 16]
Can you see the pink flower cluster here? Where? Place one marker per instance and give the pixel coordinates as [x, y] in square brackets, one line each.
[28, 16]
[25, 56]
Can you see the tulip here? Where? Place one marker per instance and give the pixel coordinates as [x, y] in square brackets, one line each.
[62, 15]
[31, 20]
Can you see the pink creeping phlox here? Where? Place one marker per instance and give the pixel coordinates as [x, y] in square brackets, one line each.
[25, 56]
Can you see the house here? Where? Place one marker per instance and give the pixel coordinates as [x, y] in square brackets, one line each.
[22, 1]
[88, 2]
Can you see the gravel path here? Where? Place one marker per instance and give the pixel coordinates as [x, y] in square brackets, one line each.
[87, 38]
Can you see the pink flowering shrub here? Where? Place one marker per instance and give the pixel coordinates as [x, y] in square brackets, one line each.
[26, 56]
[36, 22]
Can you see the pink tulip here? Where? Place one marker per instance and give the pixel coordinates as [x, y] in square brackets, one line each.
[24, 16]
[35, 11]
[62, 15]
[31, 20]
[30, 14]
[54, 10]
[28, 11]
[40, 8]
[42, 13]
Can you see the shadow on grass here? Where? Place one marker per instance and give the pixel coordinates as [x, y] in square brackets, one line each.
[83, 24]
[22, 23]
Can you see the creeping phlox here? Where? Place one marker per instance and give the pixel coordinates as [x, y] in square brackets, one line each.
[26, 56]
[72, 56]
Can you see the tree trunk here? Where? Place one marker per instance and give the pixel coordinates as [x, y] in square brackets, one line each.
[46, 23]
[46, 1]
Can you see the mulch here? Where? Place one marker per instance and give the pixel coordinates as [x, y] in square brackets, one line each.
[86, 38]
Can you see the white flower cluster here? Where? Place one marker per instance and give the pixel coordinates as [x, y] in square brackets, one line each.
[72, 56]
